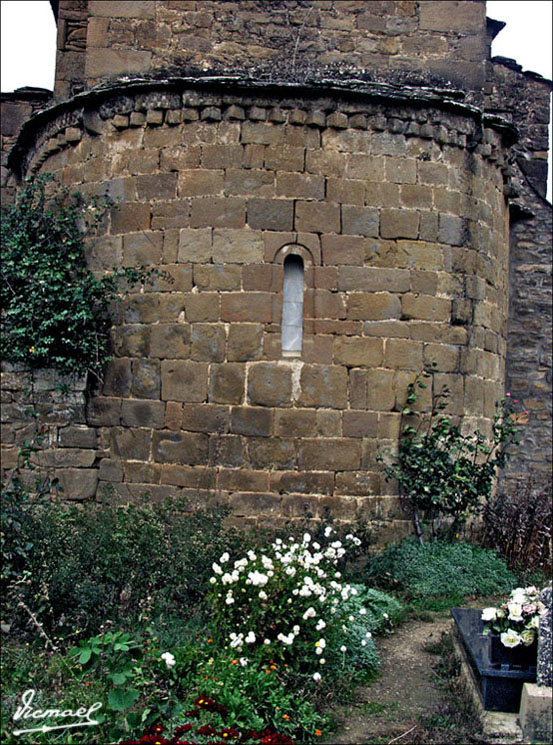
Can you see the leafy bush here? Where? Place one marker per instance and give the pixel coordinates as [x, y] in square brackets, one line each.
[288, 603]
[442, 471]
[54, 310]
[381, 610]
[82, 567]
[518, 525]
[439, 569]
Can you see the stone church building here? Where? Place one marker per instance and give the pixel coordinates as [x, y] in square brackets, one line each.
[338, 193]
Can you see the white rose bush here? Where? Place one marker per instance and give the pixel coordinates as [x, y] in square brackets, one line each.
[517, 620]
[289, 603]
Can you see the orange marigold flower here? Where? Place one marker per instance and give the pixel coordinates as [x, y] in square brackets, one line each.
[318, 732]
[273, 667]
[268, 672]
[285, 716]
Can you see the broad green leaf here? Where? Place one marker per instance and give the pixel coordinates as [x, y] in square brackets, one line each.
[118, 699]
[85, 655]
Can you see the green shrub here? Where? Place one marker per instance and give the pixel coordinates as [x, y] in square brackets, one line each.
[382, 611]
[85, 565]
[438, 569]
[442, 471]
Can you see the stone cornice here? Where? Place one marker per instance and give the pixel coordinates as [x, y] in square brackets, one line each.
[326, 95]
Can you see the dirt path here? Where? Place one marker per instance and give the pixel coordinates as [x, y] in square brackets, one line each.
[406, 690]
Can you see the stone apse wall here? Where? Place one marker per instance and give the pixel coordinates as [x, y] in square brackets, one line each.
[393, 198]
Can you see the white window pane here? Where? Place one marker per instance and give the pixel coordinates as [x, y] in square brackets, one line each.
[292, 305]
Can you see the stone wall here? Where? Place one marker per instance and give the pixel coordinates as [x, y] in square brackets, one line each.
[16, 108]
[400, 218]
[71, 45]
[393, 41]
[46, 412]
[524, 98]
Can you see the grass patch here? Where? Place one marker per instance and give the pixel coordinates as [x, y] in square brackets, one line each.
[424, 574]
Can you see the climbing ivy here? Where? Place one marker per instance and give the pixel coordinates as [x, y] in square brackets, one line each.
[55, 312]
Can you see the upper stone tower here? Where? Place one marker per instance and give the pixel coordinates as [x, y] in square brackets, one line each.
[293, 40]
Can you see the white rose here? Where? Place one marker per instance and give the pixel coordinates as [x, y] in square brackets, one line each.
[316, 677]
[250, 638]
[527, 637]
[510, 638]
[515, 611]
[258, 579]
[489, 614]
[169, 659]
[236, 640]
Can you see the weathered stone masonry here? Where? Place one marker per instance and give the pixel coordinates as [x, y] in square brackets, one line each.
[394, 197]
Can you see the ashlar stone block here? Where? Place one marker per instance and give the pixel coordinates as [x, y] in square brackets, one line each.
[183, 381]
[270, 384]
[323, 386]
[237, 246]
[226, 383]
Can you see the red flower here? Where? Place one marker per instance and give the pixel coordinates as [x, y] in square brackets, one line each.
[209, 704]
[229, 733]
[275, 738]
[207, 729]
[182, 729]
[204, 702]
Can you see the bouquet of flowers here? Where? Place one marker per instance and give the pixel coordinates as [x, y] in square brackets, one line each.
[516, 621]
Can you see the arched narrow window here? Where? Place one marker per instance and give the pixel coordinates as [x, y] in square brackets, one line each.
[292, 306]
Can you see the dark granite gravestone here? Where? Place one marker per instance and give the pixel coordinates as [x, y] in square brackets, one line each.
[500, 686]
[544, 676]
